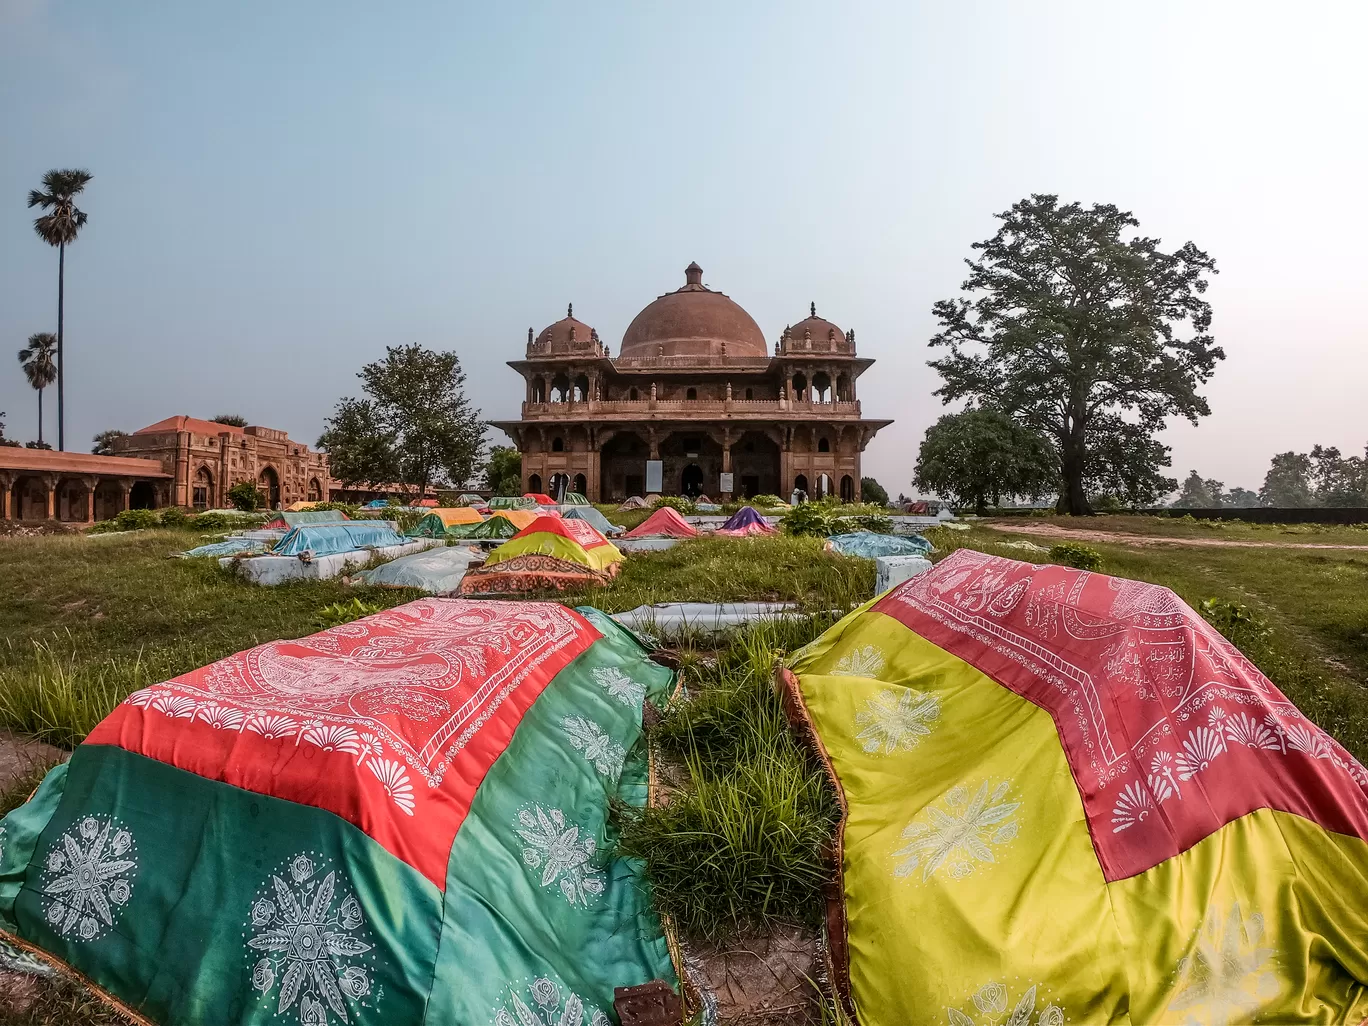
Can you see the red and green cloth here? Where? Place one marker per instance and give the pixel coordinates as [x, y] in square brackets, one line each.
[400, 820]
[1069, 799]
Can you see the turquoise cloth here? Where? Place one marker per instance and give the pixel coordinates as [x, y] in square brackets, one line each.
[871, 545]
[227, 547]
[326, 539]
[593, 518]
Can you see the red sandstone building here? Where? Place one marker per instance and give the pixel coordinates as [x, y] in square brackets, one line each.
[204, 459]
[696, 395]
[180, 461]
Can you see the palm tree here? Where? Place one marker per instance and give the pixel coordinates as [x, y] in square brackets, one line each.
[37, 361]
[59, 226]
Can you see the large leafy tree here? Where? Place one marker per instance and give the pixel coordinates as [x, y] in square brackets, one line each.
[1288, 482]
[1071, 316]
[503, 471]
[1339, 480]
[414, 426]
[59, 226]
[1125, 461]
[103, 443]
[38, 359]
[981, 455]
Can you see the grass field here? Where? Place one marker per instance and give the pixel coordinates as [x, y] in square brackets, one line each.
[742, 842]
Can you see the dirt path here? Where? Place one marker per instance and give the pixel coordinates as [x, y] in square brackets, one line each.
[1146, 540]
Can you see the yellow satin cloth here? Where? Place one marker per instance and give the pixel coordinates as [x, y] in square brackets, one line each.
[973, 894]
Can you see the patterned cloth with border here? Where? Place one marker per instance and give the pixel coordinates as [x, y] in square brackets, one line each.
[1068, 799]
[399, 820]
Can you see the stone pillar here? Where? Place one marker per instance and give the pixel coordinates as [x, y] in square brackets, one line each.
[726, 458]
[50, 482]
[91, 484]
[6, 483]
[654, 442]
[126, 487]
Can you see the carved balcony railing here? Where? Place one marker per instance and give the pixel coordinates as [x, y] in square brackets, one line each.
[695, 407]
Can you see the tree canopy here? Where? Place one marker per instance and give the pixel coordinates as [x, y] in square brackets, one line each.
[103, 443]
[414, 427]
[503, 471]
[1071, 317]
[63, 220]
[231, 419]
[872, 491]
[1200, 493]
[981, 455]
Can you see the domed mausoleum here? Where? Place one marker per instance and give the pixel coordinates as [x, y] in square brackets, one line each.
[695, 394]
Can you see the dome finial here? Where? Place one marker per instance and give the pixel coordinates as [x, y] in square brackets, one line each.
[693, 274]
[570, 310]
[812, 309]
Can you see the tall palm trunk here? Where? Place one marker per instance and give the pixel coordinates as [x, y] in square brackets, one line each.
[61, 363]
[40, 415]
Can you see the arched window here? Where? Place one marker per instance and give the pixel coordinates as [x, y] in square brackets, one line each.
[821, 387]
[800, 484]
[539, 390]
[315, 490]
[560, 389]
[632, 394]
[750, 393]
[581, 390]
[691, 394]
[202, 490]
[534, 483]
[847, 489]
[557, 445]
[823, 445]
[823, 486]
[800, 386]
[581, 484]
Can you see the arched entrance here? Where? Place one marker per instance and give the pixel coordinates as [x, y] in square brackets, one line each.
[847, 489]
[202, 489]
[73, 501]
[558, 486]
[534, 482]
[268, 481]
[143, 496]
[28, 499]
[622, 466]
[823, 486]
[800, 485]
[691, 481]
[315, 490]
[108, 500]
[581, 484]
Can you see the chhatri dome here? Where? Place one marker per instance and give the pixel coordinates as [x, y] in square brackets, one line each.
[568, 333]
[693, 321]
[818, 329]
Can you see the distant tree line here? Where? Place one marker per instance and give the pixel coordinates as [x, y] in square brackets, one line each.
[1322, 477]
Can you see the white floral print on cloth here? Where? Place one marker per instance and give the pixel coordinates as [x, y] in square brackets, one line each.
[896, 718]
[1204, 745]
[959, 832]
[860, 662]
[546, 1006]
[408, 688]
[598, 747]
[308, 939]
[990, 1003]
[1229, 975]
[562, 852]
[620, 686]
[88, 877]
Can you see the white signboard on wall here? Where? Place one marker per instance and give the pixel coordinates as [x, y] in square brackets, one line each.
[655, 475]
[725, 483]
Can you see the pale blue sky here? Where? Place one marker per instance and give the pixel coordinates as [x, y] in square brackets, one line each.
[282, 189]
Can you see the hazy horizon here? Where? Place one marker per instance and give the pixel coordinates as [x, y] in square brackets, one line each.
[281, 192]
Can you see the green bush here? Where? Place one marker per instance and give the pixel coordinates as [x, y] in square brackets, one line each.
[765, 502]
[676, 502]
[174, 516]
[1080, 557]
[351, 509]
[1242, 627]
[245, 496]
[136, 519]
[821, 519]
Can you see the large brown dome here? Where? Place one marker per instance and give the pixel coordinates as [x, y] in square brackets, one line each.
[695, 321]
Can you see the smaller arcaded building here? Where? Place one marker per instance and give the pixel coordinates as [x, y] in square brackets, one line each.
[204, 459]
[76, 487]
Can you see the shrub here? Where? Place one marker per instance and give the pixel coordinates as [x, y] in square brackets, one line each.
[821, 519]
[1080, 557]
[174, 516]
[676, 502]
[136, 519]
[210, 521]
[351, 509]
[766, 502]
[1242, 627]
[245, 496]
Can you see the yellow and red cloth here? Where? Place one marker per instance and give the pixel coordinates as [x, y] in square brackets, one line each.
[1070, 800]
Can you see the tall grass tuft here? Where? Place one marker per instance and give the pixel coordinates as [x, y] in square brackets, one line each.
[745, 842]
